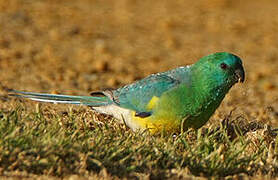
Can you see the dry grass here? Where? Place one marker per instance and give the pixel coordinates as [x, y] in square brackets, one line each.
[66, 143]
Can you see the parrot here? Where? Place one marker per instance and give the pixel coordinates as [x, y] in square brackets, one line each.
[172, 101]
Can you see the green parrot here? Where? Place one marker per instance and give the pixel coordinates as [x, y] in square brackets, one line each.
[171, 101]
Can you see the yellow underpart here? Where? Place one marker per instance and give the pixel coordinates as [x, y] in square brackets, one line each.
[155, 123]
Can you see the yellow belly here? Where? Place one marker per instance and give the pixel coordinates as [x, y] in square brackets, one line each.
[156, 124]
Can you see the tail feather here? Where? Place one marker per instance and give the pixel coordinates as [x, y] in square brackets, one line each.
[65, 99]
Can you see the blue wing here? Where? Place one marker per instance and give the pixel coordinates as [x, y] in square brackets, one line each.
[136, 96]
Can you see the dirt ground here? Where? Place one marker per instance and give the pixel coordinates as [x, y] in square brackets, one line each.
[75, 47]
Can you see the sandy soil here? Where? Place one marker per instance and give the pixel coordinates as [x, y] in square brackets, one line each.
[75, 47]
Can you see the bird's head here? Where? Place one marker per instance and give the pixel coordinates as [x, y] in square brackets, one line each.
[220, 69]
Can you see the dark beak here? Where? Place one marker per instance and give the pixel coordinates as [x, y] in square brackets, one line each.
[240, 74]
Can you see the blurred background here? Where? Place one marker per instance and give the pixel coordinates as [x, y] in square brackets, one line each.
[75, 47]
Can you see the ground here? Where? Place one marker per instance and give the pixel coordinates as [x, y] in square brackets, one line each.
[75, 47]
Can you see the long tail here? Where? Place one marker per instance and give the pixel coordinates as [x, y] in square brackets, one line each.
[65, 99]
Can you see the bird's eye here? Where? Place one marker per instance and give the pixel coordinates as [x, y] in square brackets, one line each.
[224, 66]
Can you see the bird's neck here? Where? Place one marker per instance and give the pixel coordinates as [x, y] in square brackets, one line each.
[209, 88]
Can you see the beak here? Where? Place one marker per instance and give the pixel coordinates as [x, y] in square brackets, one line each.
[239, 74]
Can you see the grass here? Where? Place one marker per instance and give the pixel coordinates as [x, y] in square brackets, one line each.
[77, 142]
